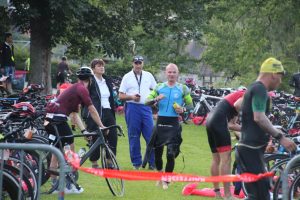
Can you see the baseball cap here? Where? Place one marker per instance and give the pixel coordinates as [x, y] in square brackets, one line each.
[272, 65]
[138, 58]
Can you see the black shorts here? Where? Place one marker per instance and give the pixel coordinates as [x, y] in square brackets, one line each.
[252, 161]
[60, 78]
[217, 128]
[63, 130]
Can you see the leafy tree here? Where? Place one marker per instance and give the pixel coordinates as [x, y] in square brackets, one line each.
[73, 22]
[241, 34]
[105, 28]
[162, 36]
[4, 22]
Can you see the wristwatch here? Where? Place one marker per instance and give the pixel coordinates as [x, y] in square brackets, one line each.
[278, 137]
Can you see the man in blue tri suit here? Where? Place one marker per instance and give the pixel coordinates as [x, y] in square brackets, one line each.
[170, 97]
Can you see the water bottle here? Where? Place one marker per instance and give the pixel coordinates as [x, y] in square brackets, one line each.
[81, 152]
[67, 150]
[281, 149]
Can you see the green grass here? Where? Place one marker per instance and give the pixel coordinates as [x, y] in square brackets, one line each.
[197, 159]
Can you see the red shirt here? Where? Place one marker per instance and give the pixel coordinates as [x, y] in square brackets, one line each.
[233, 97]
[71, 98]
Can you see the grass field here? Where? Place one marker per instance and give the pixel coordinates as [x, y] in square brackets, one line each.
[197, 158]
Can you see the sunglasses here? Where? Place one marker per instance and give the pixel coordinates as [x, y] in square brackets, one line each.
[138, 62]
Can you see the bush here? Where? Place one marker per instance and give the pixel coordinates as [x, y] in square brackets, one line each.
[21, 54]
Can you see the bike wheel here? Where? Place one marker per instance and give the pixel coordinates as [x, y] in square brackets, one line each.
[27, 186]
[45, 156]
[294, 192]
[10, 186]
[109, 161]
[238, 186]
[200, 111]
[28, 172]
[272, 159]
[277, 188]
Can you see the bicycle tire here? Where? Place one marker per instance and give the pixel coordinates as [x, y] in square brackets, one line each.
[200, 111]
[109, 161]
[29, 193]
[294, 189]
[272, 159]
[45, 156]
[236, 171]
[277, 191]
[28, 172]
[10, 186]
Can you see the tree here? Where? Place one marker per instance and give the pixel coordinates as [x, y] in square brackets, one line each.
[164, 28]
[89, 26]
[68, 21]
[4, 21]
[241, 34]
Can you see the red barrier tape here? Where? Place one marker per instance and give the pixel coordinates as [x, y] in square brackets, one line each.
[74, 161]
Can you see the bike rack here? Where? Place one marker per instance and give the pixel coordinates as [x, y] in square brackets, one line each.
[284, 176]
[42, 147]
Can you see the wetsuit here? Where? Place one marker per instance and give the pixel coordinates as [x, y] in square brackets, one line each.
[217, 123]
[295, 82]
[168, 130]
[250, 151]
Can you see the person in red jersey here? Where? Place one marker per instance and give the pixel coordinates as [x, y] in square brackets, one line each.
[219, 121]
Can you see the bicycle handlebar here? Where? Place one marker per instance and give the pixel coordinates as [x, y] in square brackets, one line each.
[120, 130]
[100, 130]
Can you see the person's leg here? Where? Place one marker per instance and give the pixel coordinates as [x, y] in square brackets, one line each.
[9, 73]
[215, 168]
[252, 161]
[225, 166]
[223, 143]
[133, 119]
[222, 146]
[172, 153]
[111, 137]
[95, 155]
[215, 163]
[147, 128]
[158, 151]
[158, 158]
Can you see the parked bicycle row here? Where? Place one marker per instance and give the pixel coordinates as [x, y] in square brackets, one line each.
[24, 122]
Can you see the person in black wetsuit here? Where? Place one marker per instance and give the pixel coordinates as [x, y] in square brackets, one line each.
[295, 83]
[256, 128]
[218, 123]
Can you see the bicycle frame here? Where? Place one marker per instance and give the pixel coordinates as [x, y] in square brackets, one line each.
[204, 102]
[99, 142]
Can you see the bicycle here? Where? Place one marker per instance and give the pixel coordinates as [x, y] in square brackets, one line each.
[205, 104]
[108, 159]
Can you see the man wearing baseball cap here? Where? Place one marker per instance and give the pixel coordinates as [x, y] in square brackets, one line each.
[257, 129]
[134, 89]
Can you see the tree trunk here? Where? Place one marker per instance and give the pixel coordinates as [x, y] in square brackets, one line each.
[40, 55]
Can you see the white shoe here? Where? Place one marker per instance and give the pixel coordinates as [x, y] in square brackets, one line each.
[73, 190]
[158, 183]
[230, 198]
[165, 185]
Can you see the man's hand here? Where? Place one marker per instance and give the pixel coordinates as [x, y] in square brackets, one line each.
[160, 97]
[179, 109]
[85, 132]
[288, 144]
[136, 97]
[104, 132]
